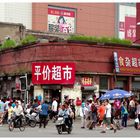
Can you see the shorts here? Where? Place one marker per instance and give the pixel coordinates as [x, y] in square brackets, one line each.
[107, 121]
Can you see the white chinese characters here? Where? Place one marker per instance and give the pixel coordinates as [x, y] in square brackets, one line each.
[53, 73]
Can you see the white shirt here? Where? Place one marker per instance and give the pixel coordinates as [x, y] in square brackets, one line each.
[54, 106]
[108, 111]
[6, 105]
[83, 111]
[18, 110]
[132, 103]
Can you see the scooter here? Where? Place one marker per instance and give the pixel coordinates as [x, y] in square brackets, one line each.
[61, 126]
[30, 120]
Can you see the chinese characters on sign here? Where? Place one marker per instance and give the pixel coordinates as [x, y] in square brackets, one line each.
[127, 63]
[53, 73]
[130, 28]
[61, 20]
[87, 81]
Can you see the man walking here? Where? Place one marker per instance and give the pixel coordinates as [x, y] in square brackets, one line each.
[107, 117]
[43, 114]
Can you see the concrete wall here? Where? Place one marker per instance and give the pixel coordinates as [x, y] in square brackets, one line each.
[16, 13]
[15, 31]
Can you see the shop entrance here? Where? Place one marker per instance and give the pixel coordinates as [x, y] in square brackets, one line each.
[52, 93]
[56, 93]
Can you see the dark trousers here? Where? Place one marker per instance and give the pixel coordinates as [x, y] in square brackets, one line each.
[43, 119]
[68, 122]
[139, 117]
[18, 119]
[124, 120]
[132, 112]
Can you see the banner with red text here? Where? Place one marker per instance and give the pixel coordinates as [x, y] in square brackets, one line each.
[53, 73]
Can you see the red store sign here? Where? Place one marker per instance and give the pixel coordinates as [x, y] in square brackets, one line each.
[127, 63]
[53, 73]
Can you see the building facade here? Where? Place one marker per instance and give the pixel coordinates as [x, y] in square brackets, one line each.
[95, 69]
[93, 19]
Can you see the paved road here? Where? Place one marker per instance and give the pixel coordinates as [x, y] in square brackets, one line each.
[50, 131]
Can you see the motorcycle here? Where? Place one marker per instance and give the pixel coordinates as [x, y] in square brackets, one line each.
[30, 120]
[61, 126]
[15, 123]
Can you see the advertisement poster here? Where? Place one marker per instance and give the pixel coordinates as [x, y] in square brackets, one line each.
[61, 20]
[127, 22]
[130, 28]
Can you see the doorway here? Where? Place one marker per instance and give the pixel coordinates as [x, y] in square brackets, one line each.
[56, 93]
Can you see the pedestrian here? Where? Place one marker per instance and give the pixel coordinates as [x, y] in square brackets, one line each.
[138, 110]
[2, 106]
[43, 114]
[101, 112]
[117, 108]
[10, 111]
[124, 114]
[83, 111]
[54, 109]
[39, 98]
[132, 108]
[107, 117]
[94, 116]
[73, 107]
[78, 105]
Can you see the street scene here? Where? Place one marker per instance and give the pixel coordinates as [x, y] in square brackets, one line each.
[70, 69]
[51, 131]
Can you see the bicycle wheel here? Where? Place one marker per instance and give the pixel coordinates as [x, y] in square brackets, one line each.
[11, 126]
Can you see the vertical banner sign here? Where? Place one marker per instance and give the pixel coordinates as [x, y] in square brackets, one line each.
[53, 73]
[127, 62]
[130, 28]
[116, 62]
[61, 20]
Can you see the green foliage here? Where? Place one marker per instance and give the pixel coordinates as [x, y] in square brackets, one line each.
[112, 40]
[9, 43]
[28, 39]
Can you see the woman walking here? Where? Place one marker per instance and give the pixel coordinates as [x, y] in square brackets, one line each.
[124, 114]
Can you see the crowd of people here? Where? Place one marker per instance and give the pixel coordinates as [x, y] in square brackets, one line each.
[93, 112]
[15, 106]
[107, 115]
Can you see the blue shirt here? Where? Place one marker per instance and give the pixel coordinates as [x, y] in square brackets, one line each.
[39, 97]
[2, 106]
[44, 109]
